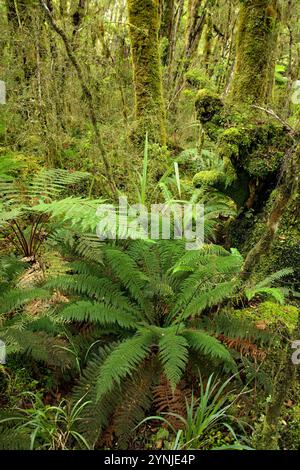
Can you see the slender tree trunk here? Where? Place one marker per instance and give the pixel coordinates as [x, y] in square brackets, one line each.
[150, 114]
[195, 25]
[166, 28]
[284, 382]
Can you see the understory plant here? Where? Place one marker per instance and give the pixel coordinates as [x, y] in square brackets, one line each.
[205, 415]
[45, 427]
[139, 302]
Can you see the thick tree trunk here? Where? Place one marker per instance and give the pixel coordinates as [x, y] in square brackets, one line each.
[143, 16]
[255, 56]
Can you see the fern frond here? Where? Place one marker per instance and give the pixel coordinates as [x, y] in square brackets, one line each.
[123, 361]
[173, 353]
[171, 402]
[126, 270]
[101, 289]
[16, 298]
[14, 439]
[78, 212]
[96, 414]
[215, 296]
[137, 398]
[41, 347]
[269, 280]
[95, 312]
[273, 292]
[208, 345]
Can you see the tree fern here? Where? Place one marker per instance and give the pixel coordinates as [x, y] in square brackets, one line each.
[147, 305]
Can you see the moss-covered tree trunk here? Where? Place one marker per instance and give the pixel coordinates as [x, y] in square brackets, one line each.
[166, 28]
[144, 23]
[255, 54]
[268, 435]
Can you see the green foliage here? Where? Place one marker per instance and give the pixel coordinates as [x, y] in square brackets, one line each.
[35, 335]
[47, 427]
[263, 288]
[147, 295]
[205, 414]
[25, 204]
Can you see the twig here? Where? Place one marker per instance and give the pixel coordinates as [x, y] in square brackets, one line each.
[274, 115]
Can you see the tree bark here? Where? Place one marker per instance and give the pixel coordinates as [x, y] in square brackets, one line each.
[166, 28]
[150, 113]
[255, 56]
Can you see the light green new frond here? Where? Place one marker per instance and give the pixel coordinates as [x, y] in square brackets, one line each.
[173, 353]
[273, 292]
[93, 312]
[208, 345]
[125, 358]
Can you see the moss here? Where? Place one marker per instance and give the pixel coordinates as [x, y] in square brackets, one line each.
[197, 79]
[208, 177]
[256, 44]
[150, 113]
[290, 438]
[272, 313]
[208, 105]
[209, 109]
[258, 149]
